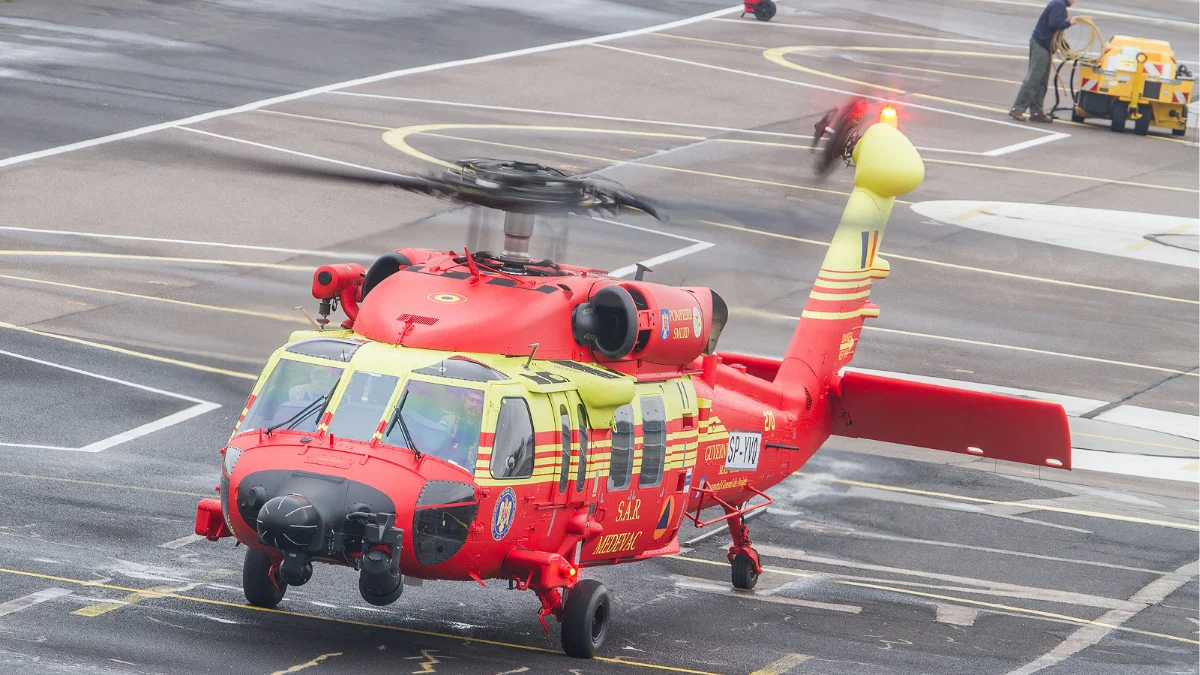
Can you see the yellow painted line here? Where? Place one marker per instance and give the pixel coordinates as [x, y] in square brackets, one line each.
[1128, 440]
[948, 73]
[117, 486]
[1023, 505]
[102, 608]
[154, 298]
[346, 622]
[968, 268]
[307, 664]
[782, 665]
[130, 352]
[1058, 174]
[1174, 140]
[158, 258]
[941, 99]
[991, 605]
[1022, 610]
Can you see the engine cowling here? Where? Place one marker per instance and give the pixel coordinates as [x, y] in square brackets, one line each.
[673, 322]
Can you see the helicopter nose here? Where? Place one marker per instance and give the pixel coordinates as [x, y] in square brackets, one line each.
[288, 522]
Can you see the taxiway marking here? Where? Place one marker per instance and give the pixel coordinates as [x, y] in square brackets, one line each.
[151, 593]
[115, 486]
[133, 133]
[1024, 505]
[189, 242]
[179, 543]
[18, 604]
[152, 258]
[782, 665]
[854, 31]
[130, 352]
[288, 318]
[307, 664]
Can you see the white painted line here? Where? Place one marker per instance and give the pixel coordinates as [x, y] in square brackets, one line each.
[200, 408]
[852, 31]
[293, 152]
[1099, 12]
[182, 541]
[558, 113]
[1176, 424]
[31, 446]
[1025, 144]
[32, 599]
[666, 257]
[844, 92]
[724, 527]
[1146, 466]
[133, 133]
[707, 586]
[956, 615]
[189, 242]
[650, 230]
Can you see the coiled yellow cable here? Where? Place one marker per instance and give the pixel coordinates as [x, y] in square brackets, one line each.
[1061, 48]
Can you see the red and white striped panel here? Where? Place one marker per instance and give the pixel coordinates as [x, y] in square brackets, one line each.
[1181, 97]
[1155, 69]
[1089, 85]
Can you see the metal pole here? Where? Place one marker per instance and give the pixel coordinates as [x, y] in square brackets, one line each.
[518, 230]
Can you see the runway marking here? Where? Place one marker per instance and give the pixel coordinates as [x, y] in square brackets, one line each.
[347, 622]
[708, 586]
[288, 318]
[25, 601]
[200, 408]
[800, 524]
[782, 665]
[307, 664]
[1099, 12]
[1063, 618]
[358, 82]
[1024, 505]
[1129, 440]
[179, 543]
[130, 352]
[944, 338]
[154, 258]
[188, 242]
[852, 31]
[968, 268]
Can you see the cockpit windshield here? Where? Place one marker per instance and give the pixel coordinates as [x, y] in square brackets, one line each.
[294, 397]
[439, 420]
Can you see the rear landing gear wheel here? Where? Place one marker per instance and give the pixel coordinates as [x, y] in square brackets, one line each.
[764, 10]
[263, 588]
[585, 619]
[744, 576]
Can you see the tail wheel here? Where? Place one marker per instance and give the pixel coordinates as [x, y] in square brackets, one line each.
[585, 619]
[1120, 111]
[262, 586]
[764, 10]
[744, 576]
[1141, 126]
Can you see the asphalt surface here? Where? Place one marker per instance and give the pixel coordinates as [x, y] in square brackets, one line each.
[192, 245]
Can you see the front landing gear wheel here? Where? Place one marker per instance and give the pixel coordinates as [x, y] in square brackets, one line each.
[764, 10]
[585, 619]
[744, 576]
[262, 586]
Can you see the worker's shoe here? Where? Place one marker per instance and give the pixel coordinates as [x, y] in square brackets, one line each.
[1041, 118]
[1016, 115]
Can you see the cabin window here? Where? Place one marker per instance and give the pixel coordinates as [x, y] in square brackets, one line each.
[654, 442]
[362, 406]
[334, 349]
[295, 395]
[512, 451]
[581, 476]
[439, 420]
[620, 465]
[564, 473]
[461, 368]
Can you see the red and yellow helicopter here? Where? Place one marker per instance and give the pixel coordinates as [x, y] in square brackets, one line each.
[491, 416]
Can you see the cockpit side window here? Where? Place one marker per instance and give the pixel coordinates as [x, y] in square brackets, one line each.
[294, 395]
[654, 441]
[620, 466]
[512, 451]
[362, 406]
[439, 420]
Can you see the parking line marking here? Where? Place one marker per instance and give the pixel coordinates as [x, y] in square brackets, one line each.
[116, 486]
[189, 242]
[487, 58]
[182, 541]
[154, 258]
[152, 593]
[783, 665]
[852, 31]
[18, 604]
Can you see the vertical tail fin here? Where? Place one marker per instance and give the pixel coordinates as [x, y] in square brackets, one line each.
[887, 165]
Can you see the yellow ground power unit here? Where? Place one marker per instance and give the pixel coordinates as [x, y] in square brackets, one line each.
[1135, 79]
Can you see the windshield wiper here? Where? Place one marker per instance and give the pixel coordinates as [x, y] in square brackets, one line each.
[399, 419]
[291, 421]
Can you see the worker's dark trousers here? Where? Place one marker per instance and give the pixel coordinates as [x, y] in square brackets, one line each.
[1033, 89]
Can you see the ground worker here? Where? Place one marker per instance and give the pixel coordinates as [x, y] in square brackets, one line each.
[1033, 89]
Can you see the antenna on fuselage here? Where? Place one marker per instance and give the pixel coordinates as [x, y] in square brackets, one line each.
[310, 319]
[532, 350]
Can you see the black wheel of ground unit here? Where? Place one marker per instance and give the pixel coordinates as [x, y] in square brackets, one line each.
[764, 10]
[1120, 112]
[585, 619]
[1141, 126]
[257, 584]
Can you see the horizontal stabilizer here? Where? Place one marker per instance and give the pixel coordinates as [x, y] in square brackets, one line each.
[956, 420]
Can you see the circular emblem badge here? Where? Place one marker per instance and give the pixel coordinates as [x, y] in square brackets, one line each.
[447, 298]
[697, 325]
[665, 320]
[503, 514]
